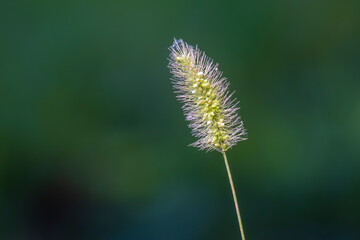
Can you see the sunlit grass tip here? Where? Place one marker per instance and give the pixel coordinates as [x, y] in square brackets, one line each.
[208, 105]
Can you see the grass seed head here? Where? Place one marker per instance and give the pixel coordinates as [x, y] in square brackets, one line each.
[208, 105]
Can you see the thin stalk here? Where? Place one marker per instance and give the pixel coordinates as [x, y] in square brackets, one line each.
[234, 196]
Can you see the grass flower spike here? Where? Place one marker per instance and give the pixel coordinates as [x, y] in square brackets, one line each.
[208, 105]
[207, 102]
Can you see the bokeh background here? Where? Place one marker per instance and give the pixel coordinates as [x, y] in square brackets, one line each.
[93, 144]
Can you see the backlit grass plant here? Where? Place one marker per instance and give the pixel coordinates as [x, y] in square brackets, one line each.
[208, 105]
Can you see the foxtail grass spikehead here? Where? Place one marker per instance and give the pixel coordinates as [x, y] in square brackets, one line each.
[208, 104]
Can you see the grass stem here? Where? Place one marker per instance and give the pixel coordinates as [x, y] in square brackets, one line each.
[234, 196]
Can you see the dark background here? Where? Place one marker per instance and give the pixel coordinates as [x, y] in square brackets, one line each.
[93, 144]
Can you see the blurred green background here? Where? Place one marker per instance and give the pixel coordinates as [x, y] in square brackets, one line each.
[93, 144]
